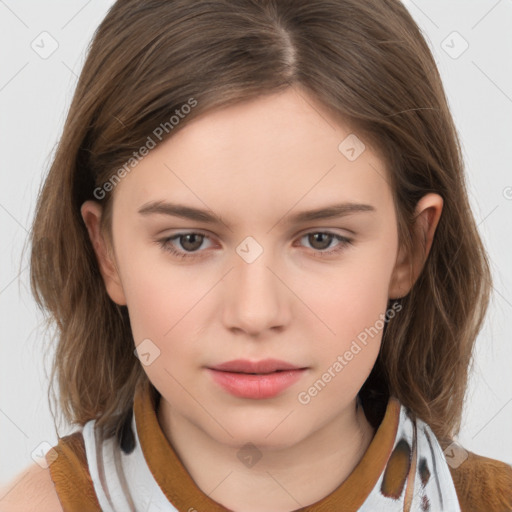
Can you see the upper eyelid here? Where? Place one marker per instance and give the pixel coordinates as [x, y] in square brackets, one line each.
[340, 237]
[300, 234]
[206, 232]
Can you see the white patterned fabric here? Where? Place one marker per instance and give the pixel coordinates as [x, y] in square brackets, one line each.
[428, 483]
[122, 482]
[416, 477]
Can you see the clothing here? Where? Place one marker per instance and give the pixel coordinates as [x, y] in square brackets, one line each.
[403, 469]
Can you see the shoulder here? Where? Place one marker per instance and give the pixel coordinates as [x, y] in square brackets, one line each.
[482, 484]
[64, 485]
[31, 490]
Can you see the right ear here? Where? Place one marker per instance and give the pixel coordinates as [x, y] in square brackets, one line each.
[91, 214]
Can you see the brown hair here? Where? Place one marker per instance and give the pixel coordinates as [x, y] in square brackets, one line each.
[367, 62]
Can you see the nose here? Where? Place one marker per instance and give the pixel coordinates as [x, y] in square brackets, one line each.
[256, 300]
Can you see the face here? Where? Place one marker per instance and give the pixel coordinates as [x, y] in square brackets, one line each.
[257, 280]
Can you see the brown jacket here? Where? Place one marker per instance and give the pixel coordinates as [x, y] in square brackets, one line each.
[482, 484]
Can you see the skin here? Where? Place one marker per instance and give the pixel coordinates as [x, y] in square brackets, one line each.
[255, 165]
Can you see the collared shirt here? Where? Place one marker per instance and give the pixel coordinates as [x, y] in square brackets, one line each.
[403, 469]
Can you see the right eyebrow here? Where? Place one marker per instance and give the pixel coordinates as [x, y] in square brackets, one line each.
[178, 210]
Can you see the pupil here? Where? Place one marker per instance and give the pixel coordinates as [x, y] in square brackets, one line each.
[323, 245]
[195, 245]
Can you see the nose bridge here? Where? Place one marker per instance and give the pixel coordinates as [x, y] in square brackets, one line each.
[256, 300]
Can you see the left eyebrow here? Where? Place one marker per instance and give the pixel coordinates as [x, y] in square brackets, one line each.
[330, 212]
[200, 215]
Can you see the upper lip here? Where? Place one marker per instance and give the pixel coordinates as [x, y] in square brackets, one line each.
[246, 366]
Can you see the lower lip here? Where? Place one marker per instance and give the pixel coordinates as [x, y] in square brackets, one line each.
[258, 387]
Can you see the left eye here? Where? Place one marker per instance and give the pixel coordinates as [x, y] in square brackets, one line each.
[190, 242]
[323, 240]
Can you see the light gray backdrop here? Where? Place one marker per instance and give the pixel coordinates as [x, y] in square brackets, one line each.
[42, 51]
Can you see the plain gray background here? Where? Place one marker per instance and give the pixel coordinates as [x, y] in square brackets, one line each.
[35, 92]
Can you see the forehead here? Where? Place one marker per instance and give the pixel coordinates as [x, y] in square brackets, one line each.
[265, 154]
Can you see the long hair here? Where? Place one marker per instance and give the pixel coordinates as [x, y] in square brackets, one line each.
[367, 62]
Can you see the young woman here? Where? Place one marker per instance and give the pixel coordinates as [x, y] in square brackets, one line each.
[256, 244]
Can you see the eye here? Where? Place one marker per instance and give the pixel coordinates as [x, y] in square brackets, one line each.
[321, 240]
[191, 243]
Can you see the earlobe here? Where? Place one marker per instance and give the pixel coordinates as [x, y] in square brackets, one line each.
[409, 264]
[402, 277]
[91, 212]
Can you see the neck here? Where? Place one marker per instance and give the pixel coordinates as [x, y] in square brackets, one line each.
[283, 479]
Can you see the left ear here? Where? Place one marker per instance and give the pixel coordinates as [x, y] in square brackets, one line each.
[408, 266]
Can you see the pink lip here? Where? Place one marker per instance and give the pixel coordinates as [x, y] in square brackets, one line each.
[246, 366]
[256, 380]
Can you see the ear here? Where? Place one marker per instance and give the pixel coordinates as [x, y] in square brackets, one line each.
[408, 267]
[91, 214]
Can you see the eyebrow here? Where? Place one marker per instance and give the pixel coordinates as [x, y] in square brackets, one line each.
[197, 214]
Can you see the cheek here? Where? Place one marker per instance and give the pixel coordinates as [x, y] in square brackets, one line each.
[162, 304]
[355, 319]
[353, 304]
[353, 309]
[351, 297]
[163, 301]
[157, 292]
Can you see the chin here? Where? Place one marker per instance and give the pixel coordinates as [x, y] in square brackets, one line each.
[266, 433]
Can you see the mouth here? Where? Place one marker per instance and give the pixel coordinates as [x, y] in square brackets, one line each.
[256, 380]
[263, 367]
[257, 373]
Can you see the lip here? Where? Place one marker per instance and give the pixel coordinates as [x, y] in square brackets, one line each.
[256, 380]
[246, 366]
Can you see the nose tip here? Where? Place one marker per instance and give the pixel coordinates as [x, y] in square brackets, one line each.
[255, 303]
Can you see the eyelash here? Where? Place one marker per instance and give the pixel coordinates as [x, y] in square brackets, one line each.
[165, 244]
